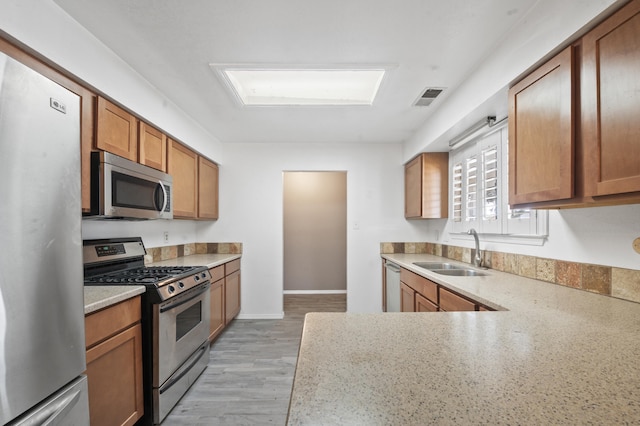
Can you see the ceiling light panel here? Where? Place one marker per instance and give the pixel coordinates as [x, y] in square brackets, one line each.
[295, 87]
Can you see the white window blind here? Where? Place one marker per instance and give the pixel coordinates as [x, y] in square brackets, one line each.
[471, 181]
[457, 192]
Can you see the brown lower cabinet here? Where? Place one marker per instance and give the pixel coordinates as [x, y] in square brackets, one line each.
[217, 301]
[419, 294]
[231, 290]
[114, 364]
[225, 296]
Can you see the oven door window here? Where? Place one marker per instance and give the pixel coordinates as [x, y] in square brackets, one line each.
[130, 191]
[188, 319]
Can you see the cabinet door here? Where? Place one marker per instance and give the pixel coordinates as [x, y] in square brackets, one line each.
[451, 302]
[182, 165]
[207, 189]
[424, 305]
[116, 130]
[541, 133]
[153, 147]
[114, 372]
[407, 298]
[413, 188]
[610, 103]
[232, 295]
[426, 186]
[217, 308]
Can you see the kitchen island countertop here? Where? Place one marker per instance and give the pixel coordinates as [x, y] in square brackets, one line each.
[551, 355]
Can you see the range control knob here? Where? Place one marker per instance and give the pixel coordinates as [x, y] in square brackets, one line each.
[171, 289]
[197, 278]
[181, 284]
[204, 275]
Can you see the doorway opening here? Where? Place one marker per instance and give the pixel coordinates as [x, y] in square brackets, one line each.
[315, 232]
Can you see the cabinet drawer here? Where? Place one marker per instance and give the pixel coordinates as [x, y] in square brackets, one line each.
[108, 322]
[420, 284]
[451, 302]
[217, 273]
[232, 266]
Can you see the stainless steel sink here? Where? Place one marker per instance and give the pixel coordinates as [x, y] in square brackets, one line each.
[436, 265]
[444, 268]
[459, 272]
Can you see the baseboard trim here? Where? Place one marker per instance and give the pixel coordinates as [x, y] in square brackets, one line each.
[261, 316]
[315, 292]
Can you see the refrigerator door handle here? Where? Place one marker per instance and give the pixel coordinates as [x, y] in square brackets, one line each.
[61, 408]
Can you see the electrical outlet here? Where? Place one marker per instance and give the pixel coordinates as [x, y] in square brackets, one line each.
[636, 245]
[166, 236]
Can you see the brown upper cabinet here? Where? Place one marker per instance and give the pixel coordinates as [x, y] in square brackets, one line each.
[182, 165]
[573, 134]
[152, 145]
[207, 189]
[610, 104]
[195, 183]
[116, 130]
[541, 133]
[426, 179]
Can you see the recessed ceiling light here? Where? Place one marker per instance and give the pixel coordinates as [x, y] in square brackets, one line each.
[295, 87]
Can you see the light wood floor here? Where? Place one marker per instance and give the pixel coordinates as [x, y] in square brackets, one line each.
[249, 377]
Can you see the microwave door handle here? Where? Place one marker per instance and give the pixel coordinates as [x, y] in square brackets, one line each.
[164, 191]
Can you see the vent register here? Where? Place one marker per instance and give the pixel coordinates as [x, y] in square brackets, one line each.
[428, 96]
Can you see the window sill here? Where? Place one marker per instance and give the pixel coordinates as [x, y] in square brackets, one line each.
[528, 240]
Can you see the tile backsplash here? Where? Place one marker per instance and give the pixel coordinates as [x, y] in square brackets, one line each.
[157, 254]
[607, 280]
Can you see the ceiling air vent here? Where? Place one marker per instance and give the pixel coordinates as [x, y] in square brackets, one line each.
[428, 96]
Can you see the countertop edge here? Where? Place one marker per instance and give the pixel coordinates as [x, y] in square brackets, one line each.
[100, 297]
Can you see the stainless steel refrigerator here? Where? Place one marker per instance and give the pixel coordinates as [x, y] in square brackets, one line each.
[42, 353]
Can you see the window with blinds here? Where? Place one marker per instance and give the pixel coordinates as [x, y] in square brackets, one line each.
[479, 191]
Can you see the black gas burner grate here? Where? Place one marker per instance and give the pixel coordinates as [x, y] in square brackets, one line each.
[148, 275]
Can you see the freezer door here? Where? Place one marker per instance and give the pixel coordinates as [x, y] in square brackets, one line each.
[68, 407]
[41, 280]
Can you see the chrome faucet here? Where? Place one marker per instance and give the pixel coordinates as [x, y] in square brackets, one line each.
[477, 259]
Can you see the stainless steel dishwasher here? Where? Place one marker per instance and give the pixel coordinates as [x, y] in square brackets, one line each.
[393, 287]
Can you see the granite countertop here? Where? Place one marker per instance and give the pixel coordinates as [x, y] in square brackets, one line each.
[209, 260]
[100, 297]
[552, 355]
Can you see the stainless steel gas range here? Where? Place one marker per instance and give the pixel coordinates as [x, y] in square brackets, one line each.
[175, 317]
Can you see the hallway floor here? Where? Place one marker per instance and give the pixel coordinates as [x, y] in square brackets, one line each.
[250, 373]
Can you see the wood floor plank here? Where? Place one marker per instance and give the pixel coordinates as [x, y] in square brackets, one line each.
[250, 373]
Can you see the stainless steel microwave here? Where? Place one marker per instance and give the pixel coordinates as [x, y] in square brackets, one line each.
[123, 189]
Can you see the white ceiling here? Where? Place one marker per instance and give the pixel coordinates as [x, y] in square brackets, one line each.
[426, 43]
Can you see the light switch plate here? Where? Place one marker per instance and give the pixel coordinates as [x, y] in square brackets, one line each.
[636, 245]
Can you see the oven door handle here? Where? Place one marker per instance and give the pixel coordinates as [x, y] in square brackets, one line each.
[182, 302]
[185, 370]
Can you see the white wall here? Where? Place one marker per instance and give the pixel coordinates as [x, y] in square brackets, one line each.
[251, 211]
[151, 231]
